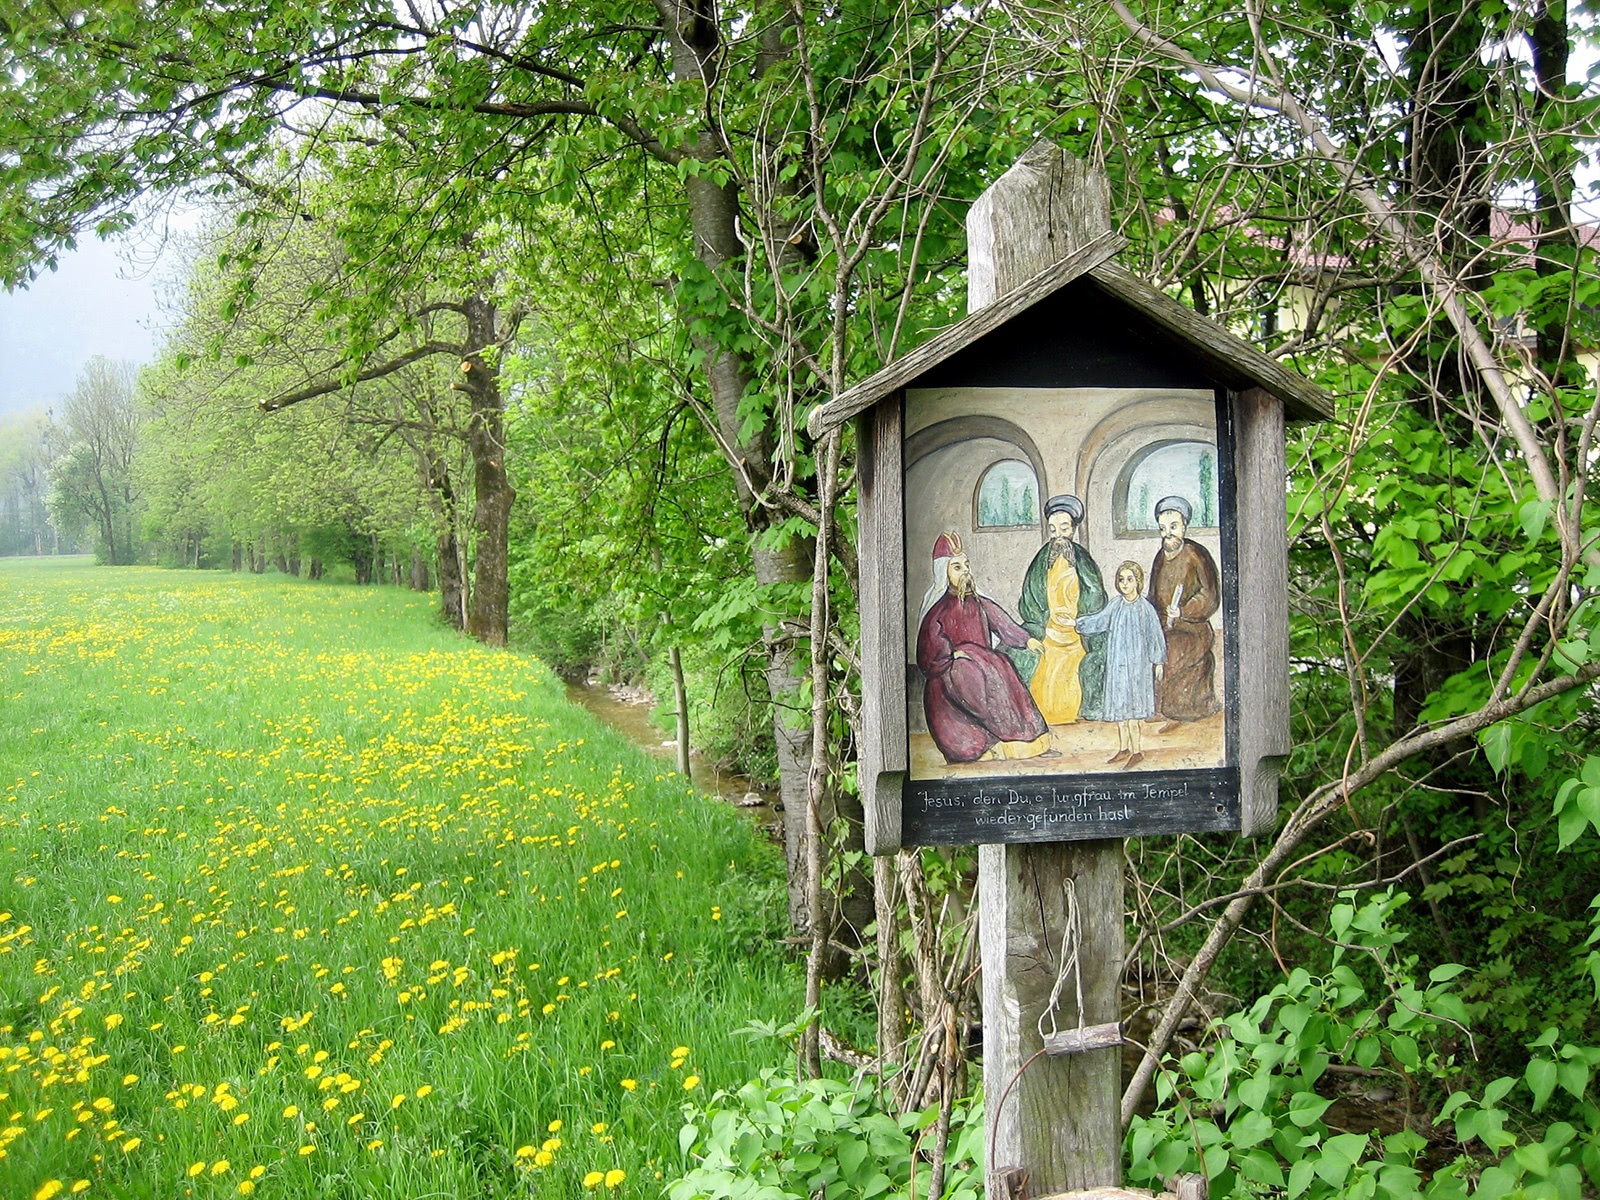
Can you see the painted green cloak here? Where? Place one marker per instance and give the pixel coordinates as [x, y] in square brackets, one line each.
[1034, 608]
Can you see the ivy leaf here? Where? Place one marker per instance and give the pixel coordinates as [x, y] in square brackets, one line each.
[1300, 1176]
[1252, 1128]
[1534, 515]
[1496, 742]
[1306, 1109]
[1541, 1079]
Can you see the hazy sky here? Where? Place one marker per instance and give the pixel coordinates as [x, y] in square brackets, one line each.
[101, 300]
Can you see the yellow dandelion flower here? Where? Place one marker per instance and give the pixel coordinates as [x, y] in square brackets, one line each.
[305, 1150]
[113, 1020]
[594, 1179]
[132, 1144]
[691, 1083]
[195, 1169]
[554, 1126]
[614, 1177]
[220, 1167]
[80, 1187]
[399, 1099]
[598, 1127]
[129, 1080]
[629, 1084]
[257, 1171]
[49, 1188]
[290, 1111]
[680, 1052]
[423, 1090]
[526, 1152]
[246, 1186]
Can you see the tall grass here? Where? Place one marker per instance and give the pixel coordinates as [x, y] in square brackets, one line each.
[303, 896]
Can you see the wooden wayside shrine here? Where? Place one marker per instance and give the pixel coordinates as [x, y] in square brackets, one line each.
[1074, 626]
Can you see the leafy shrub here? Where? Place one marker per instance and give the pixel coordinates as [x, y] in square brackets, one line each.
[1249, 1114]
[778, 1138]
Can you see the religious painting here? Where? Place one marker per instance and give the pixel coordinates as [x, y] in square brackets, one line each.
[1068, 601]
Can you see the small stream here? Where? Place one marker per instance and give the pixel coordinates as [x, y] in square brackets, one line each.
[631, 718]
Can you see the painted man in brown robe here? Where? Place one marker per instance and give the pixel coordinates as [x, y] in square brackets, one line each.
[1186, 591]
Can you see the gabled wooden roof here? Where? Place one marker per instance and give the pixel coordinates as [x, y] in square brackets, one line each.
[1233, 360]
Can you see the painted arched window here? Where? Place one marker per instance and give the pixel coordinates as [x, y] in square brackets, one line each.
[1172, 468]
[1008, 497]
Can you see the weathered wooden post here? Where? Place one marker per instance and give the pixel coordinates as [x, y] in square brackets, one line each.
[1025, 690]
[1053, 1122]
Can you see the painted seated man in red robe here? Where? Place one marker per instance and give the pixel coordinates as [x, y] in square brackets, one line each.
[978, 707]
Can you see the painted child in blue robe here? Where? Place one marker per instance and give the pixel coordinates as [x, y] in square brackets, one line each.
[1136, 652]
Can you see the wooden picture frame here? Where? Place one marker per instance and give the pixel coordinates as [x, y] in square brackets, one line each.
[1084, 323]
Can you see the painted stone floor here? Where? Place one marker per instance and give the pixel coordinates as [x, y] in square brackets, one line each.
[1083, 748]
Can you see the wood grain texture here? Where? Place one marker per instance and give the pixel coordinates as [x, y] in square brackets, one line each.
[931, 353]
[1112, 1193]
[1090, 1037]
[880, 502]
[1056, 1117]
[1263, 574]
[1236, 362]
[1046, 206]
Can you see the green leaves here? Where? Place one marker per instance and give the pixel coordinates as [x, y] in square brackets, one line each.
[780, 1139]
[1577, 803]
[1250, 1114]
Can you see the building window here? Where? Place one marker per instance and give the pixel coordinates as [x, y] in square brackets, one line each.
[1008, 497]
[1186, 468]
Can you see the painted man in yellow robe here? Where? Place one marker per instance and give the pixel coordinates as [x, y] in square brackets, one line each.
[1063, 583]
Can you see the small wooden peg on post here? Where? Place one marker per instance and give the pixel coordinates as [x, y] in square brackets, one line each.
[1090, 1037]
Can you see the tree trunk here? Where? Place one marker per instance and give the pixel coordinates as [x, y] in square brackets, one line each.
[695, 40]
[680, 701]
[489, 603]
[108, 528]
[447, 554]
[419, 570]
[452, 597]
[314, 571]
[238, 558]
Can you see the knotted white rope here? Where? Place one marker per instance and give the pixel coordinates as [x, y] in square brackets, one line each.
[1071, 940]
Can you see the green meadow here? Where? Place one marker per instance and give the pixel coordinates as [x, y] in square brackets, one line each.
[302, 895]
